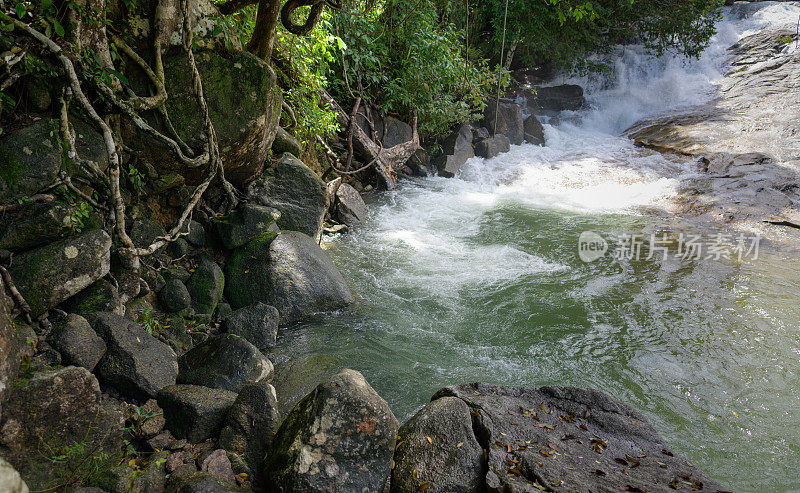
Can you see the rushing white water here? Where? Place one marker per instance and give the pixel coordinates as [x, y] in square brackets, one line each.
[477, 278]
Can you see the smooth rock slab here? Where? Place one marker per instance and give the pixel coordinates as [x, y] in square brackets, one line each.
[567, 439]
[53, 273]
[257, 323]
[290, 272]
[193, 412]
[136, 363]
[225, 362]
[340, 438]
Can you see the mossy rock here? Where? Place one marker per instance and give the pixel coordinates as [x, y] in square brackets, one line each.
[206, 287]
[244, 104]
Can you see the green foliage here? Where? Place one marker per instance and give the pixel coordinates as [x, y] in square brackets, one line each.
[148, 320]
[80, 216]
[78, 463]
[400, 57]
[137, 421]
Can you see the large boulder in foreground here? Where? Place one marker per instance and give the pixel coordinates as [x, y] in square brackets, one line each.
[54, 410]
[224, 362]
[288, 271]
[135, 363]
[340, 438]
[296, 191]
[561, 439]
[53, 273]
[508, 117]
[244, 104]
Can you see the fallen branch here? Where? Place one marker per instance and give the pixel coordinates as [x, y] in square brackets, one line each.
[19, 300]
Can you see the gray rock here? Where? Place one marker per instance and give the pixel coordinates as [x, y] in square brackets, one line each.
[257, 323]
[10, 480]
[54, 410]
[179, 248]
[508, 118]
[36, 225]
[290, 272]
[135, 363]
[534, 132]
[206, 287]
[193, 412]
[77, 342]
[479, 133]
[154, 279]
[567, 439]
[196, 234]
[144, 232]
[349, 208]
[395, 132]
[492, 146]
[554, 99]
[296, 191]
[101, 296]
[174, 296]
[341, 438]
[32, 157]
[456, 149]
[251, 424]
[217, 464]
[223, 311]
[201, 482]
[284, 142]
[224, 362]
[15, 339]
[53, 273]
[245, 223]
[296, 378]
[438, 447]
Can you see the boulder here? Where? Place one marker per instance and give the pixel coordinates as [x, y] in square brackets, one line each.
[339, 438]
[288, 271]
[395, 132]
[438, 447]
[251, 424]
[257, 323]
[77, 342]
[492, 146]
[136, 363]
[561, 439]
[479, 133]
[196, 234]
[15, 346]
[508, 116]
[174, 296]
[10, 480]
[31, 158]
[101, 296]
[296, 191]
[349, 208]
[53, 273]
[206, 287]
[245, 223]
[244, 104]
[534, 132]
[224, 362]
[456, 149]
[554, 99]
[51, 413]
[193, 412]
[36, 225]
[285, 142]
[297, 377]
[144, 232]
[217, 464]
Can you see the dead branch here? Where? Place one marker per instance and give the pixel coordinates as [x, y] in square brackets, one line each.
[19, 300]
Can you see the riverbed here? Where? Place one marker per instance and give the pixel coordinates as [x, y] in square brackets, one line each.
[480, 278]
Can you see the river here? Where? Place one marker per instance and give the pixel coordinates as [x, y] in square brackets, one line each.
[479, 277]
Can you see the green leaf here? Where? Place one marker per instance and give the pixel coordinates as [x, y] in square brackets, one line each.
[57, 27]
[119, 76]
[20, 8]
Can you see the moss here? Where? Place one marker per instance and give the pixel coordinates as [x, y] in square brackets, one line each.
[246, 264]
[10, 168]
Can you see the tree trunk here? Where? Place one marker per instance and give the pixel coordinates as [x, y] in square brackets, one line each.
[264, 33]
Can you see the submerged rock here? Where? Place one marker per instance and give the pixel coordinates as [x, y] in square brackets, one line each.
[193, 412]
[561, 439]
[340, 438]
[296, 191]
[136, 363]
[53, 273]
[288, 271]
[225, 362]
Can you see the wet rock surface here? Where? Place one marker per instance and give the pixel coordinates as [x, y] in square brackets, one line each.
[224, 362]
